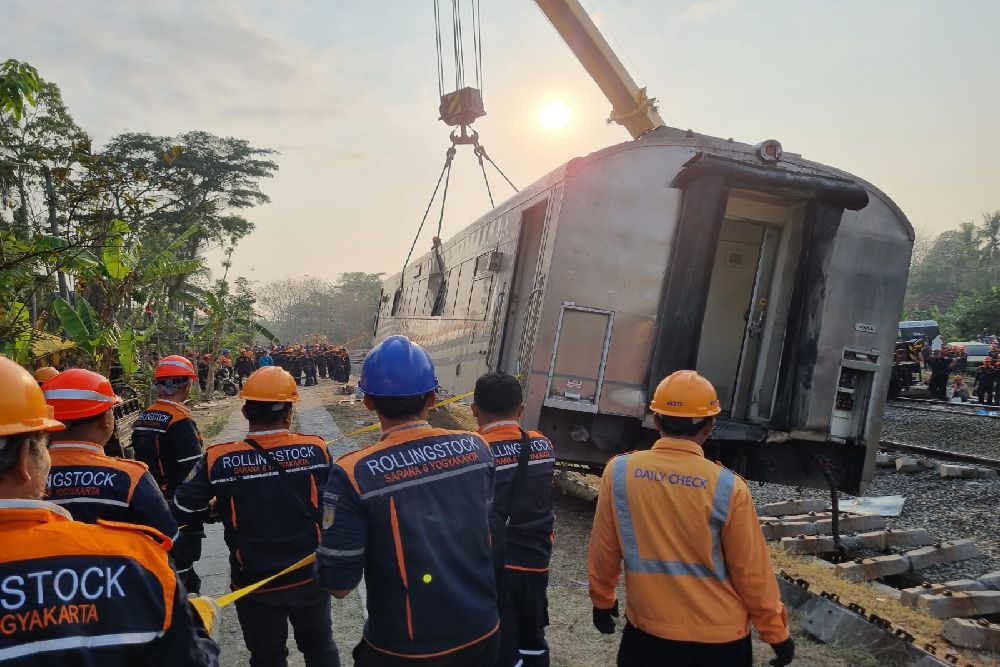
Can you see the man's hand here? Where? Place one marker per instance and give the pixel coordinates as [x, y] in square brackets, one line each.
[784, 652]
[206, 611]
[603, 620]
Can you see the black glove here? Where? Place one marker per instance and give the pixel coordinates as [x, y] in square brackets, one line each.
[784, 652]
[603, 620]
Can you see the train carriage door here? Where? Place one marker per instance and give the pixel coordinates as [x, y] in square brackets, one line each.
[579, 354]
[522, 304]
[736, 307]
[758, 310]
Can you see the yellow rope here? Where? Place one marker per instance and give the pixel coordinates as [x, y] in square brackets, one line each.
[229, 598]
[375, 426]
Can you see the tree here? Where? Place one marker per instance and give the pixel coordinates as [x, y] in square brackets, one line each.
[988, 238]
[923, 241]
[974, 314]
[227, 309]
[951, 268]
[96, 245]
[117, 280]
[339, 312]
[19, 82]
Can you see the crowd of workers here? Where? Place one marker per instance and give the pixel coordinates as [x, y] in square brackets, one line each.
[450, 531]
[948, 359]
[307, 363]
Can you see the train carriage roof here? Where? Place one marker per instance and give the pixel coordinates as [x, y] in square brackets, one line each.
[669, 137]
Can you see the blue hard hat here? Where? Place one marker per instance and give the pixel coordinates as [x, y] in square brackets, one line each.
[397, 367]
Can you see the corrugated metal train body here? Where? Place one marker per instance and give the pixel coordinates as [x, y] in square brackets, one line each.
[675, 251]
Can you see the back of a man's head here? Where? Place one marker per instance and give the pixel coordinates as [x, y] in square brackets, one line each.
[12, 448]
[680, 427]
[263, 415]
[498, 395]
[401, 407]
[168, 387]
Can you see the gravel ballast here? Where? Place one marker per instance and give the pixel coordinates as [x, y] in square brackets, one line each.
[948, 508]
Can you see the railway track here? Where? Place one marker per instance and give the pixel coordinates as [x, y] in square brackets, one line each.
[941, 454]
[894, 561]
[947, 407]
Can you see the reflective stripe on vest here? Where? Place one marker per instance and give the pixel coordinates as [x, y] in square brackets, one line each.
[717, 519]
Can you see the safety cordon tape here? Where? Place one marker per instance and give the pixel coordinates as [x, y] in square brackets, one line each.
[232, 597]
[375, 426]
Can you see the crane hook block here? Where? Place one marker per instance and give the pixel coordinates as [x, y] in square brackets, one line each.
[462, 107]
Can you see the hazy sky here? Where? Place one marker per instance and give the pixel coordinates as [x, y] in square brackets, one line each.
[900, 92]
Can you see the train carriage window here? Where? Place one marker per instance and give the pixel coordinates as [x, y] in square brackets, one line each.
[396, 298]
[479, 299]
[439, 294]
[488, 262]
[463, 289]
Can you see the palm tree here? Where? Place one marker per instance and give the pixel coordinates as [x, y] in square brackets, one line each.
[988, 242]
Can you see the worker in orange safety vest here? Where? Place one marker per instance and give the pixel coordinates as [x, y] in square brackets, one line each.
[697, 571]
[166, 438]
[75, 593]
[83, 480]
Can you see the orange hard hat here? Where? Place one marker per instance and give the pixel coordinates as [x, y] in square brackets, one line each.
[44, 374]
[685, 394]
[79, 393]
[22, 406]
[174, 366]
[270, 384]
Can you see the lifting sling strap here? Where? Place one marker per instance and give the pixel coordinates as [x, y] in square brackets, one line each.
[500, 520]
[311, 512]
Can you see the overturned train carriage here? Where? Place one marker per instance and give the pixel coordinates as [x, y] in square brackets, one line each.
[778, 278]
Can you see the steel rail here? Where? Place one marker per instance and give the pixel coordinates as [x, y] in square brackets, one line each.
[958, 457]
[932, 405]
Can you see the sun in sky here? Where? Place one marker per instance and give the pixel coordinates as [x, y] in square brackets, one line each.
[554, 115]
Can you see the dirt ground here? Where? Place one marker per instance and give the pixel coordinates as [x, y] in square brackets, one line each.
[212, 416]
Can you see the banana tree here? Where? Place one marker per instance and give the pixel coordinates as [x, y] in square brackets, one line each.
[224, 311]
[92, 337]
[112, 280]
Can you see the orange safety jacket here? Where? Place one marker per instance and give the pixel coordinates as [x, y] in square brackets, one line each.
[100, 595]
[166, 438]
[92, 486]
[270, 520]
[696, 565]
[528, 546]
[411, 514]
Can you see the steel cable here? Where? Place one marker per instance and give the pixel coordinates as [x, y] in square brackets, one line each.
[487, 179]
[456, 20]
[482, 151]
[437, 40]
[449, 156]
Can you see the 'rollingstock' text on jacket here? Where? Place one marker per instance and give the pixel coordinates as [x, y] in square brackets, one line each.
[528, 545]
[166, 439]
[270, 520]
[412, 513]
[91, 486]
[75, 594]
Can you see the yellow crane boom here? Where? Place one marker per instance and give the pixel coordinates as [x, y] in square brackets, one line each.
[630, 105]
